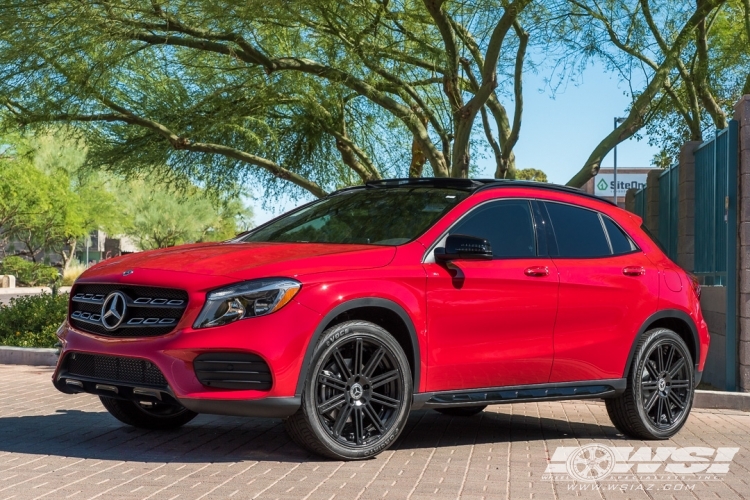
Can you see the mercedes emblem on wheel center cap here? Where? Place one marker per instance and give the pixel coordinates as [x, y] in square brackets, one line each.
[113, 310]
[356, 391]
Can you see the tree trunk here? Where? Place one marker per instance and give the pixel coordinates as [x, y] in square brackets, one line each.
[506, 168]
[464, 120]
[67, 258]
[418, 156]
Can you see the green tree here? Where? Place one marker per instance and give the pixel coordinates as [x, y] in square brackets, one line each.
[318, 93]
[669, 54]
[531, 174]
[160, 217]
[50, 202]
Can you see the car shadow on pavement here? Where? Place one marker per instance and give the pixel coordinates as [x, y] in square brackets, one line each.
[427, 429]
[208, 438]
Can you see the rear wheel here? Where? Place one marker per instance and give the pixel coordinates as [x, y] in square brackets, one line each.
[148, 415]
[461, 411]
[660, 389]
[357, 394]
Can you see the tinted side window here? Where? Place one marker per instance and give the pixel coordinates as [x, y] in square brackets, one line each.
[506, 224]
[578, 231]
[620, 242]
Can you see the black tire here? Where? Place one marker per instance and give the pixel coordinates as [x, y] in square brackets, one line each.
[660, 388]
[461, 411]
[159, 416]
[357, 393]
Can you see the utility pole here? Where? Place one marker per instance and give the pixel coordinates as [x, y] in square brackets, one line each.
[617, 121]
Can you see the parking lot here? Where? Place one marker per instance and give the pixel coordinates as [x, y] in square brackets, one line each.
[56, 446]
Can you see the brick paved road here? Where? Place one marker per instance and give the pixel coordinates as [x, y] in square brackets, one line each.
[56, 447]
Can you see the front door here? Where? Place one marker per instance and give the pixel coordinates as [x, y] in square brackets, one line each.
[490, 322]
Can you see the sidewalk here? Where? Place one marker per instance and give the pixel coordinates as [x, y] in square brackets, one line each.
[8, 293]
[54, 445]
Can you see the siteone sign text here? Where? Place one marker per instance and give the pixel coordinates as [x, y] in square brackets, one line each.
[604, 184]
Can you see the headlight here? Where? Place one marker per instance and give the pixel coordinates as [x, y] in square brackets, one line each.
[246, 300]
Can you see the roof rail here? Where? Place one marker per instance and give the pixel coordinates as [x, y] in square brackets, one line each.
[472, 185]
[439, 182]
[496, 183]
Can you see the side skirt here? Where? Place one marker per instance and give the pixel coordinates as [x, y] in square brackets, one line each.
[520, 394]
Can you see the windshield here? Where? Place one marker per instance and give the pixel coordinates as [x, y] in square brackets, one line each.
[373, 216]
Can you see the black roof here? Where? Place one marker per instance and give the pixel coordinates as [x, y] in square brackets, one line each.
[474, 185]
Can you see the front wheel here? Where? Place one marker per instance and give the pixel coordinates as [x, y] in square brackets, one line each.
[357, 394]
[660, 388]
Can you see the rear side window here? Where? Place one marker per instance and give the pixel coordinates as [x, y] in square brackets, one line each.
[578, 232]
[621, 243]
[506, 224]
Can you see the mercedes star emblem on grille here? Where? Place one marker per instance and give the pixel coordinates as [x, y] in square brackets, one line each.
[113, 310]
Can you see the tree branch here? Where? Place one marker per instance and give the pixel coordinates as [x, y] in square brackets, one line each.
[182, 143]
[639, 108]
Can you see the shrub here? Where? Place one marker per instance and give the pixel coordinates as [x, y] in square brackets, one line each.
[29, 273]
[32, 320]
[74, 270]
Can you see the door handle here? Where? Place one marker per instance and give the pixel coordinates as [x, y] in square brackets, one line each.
[537, 271]
[634, 271]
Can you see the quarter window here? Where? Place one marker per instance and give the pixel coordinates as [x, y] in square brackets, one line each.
[621, 244]
[506, 224]
[578, 232]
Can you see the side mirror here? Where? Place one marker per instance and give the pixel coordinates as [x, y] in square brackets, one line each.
[461, 246]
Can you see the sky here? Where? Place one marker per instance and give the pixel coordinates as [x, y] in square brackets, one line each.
[557, 134]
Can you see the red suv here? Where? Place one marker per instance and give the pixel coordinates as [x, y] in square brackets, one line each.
[343, 315]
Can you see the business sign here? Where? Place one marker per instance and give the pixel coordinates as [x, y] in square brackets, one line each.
[604, 184]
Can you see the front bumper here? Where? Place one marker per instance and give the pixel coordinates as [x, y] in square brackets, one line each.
[280, 339]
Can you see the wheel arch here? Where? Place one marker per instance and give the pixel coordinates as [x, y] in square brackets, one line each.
[677, 321]
[382, 312]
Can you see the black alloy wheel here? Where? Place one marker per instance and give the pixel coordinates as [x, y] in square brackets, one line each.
[357, 396]
[660, 388]
[359, 391]
[665, 384]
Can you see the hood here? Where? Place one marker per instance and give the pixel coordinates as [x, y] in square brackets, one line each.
[251, 260]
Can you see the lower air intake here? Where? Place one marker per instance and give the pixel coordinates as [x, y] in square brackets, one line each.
[233, 370]
[114, 369]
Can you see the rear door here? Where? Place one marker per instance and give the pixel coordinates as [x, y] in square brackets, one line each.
[490, 322]
[606, 292]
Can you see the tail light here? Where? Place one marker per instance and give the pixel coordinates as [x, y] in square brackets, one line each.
[696, 285]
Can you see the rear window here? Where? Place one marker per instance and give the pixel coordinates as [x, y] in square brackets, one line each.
[578, 232]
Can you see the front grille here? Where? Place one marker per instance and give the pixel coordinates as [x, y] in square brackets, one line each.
[114, 369]
[149, 311]
[233, 370]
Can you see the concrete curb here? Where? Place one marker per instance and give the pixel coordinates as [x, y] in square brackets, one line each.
[716, 400]
[28, 356]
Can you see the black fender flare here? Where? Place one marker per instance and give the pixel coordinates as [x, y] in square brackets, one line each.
[347, 306]
[664, 314]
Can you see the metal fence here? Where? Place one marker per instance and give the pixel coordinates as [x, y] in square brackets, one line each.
[668, 182]
[713, 162]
